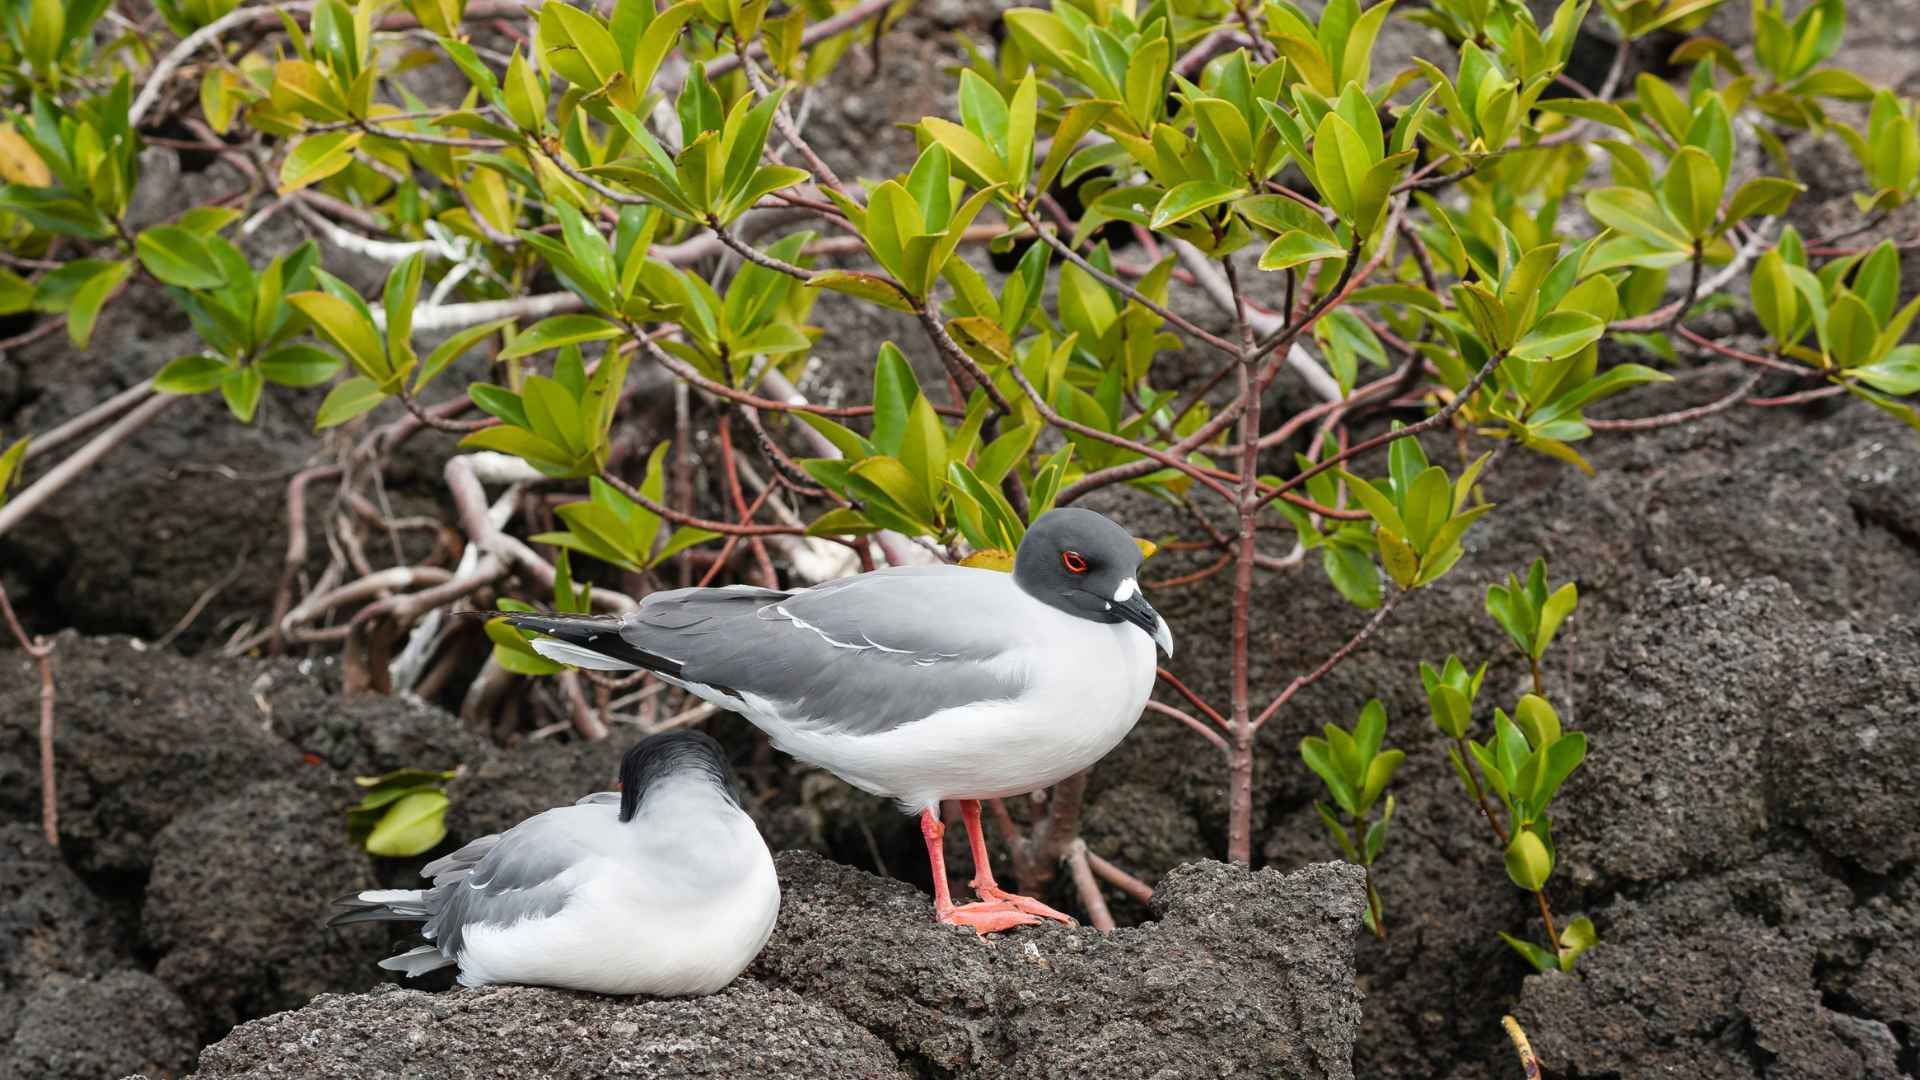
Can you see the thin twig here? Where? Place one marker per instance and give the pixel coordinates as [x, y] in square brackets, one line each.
[58, 477]
[1302, 682]
[41, 651]
[1098, 915]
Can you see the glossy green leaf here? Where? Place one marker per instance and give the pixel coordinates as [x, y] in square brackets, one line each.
[558, 331]
[178, 257]
[414, 824]
[348, 400]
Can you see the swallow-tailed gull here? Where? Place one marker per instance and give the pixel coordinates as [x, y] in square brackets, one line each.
[919, 683]
[664, 887]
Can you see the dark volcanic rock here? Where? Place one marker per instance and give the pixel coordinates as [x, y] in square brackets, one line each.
[746, 1030]
[84, 1029]
[1732, 716]
[1744, 827]
[141, 736]
[1244, 975]
[49, 922]
[239, 895]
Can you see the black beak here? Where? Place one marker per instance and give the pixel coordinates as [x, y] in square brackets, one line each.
[1136, 610]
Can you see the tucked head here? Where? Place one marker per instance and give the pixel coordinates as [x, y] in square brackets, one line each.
[1085, 565]
[670, 754]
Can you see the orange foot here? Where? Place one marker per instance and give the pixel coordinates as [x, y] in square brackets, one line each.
[1027, 904]
[989, 917]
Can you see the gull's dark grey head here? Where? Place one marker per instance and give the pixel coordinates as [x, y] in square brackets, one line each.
[668, 754]
[1085, 565]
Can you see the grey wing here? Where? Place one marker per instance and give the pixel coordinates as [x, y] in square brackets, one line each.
[863, 654]
[519, 874]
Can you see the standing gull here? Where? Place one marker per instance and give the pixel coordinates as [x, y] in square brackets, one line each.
[664, 887]
[917, 683]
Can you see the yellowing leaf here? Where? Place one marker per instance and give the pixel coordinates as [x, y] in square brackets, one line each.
[19, 164]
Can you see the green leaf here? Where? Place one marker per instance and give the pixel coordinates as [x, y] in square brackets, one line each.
[1298, 248]
[1578, 937]
[1896, 373]
[1542, 960]
[1851, 331]
[178, 257]
[923, 448]
[84, 308]
[1692, 190]
[1635, 213]
[894, 392]
[559, 331]
[10, 464]
[1775, 301]
[195, 374]
[1528, 862]
[1341, 164]
[453, 349]
[1190, 198]
[1552, 613]
[348, 400]
[1428, 504]
[343, 325]
[871, 287]
[298, 365]
[413, 825]
[1353, 574]
[1560, 334]
[1763, 196]
[317, 157]
[242, 388]
[975, 157]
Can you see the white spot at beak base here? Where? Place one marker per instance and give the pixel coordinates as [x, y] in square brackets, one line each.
[1128, 590]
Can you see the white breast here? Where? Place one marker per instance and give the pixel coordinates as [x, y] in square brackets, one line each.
[1087, 683]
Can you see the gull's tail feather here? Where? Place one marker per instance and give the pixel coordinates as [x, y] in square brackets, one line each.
[382, 905]
[590, 641]
[395, 905]
[418, 961]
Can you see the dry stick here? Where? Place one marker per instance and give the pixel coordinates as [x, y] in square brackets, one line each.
[1120, 879]
[1174, 681]
[1089, 889]
[1800, 398]
[1529, 1064]
[58, 477]
[724, 528]
[585, 720]
[1740, 355]
[92, 418]
[1187, 718]
[41, 650]
[1683, 416]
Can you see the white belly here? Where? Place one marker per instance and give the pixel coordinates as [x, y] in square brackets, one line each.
[1079, 705]
[618, 936]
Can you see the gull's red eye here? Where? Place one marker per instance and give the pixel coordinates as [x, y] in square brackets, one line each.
[1074, 562]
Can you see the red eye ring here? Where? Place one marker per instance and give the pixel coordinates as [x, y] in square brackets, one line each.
[1074, 562]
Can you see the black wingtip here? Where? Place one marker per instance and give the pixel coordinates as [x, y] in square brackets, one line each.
[364, 911]
[599, 633]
